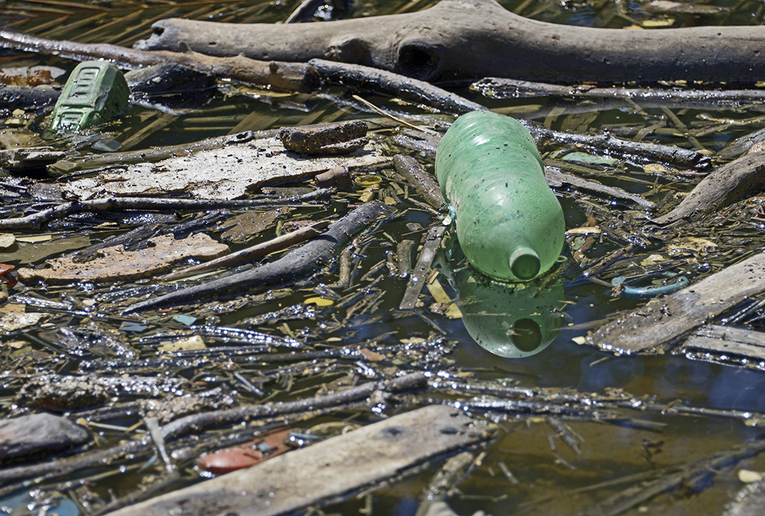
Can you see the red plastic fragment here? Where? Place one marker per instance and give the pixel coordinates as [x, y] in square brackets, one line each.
[263, 448]
[5, 277]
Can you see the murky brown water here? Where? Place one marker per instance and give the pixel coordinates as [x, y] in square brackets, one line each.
[543, 466]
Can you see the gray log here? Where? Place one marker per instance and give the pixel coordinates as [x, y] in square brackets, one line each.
[333, 468]
[479, 38]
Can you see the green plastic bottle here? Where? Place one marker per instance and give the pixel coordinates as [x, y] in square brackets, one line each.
[509, 223]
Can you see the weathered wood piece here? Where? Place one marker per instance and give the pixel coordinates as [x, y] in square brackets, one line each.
[479, 38]
[277, 75]
[38, 433]
[329, 469]
[223, 173]
[653, 151]
[732, 182]
[425, 184]
[721, 340]
[662, 320]
[419, 274]
[298, 263]
[116, 263]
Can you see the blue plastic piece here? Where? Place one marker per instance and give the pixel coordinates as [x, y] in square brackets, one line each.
[632, 292]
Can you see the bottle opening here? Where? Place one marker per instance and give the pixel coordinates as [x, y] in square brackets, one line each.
[524, 263]
[527, 335]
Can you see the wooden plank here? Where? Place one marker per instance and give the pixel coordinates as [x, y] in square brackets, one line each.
[335, 467]
[662, 320]
[729, 341]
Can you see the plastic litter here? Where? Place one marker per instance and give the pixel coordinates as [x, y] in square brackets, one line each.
[95, 92]
[509, 223]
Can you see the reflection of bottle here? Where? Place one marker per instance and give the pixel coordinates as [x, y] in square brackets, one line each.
[509, 223]
[511, 321]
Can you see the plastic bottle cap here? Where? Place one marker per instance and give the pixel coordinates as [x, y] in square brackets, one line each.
[524, 262]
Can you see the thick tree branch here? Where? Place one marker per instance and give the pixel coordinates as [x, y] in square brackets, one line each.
[479, 38]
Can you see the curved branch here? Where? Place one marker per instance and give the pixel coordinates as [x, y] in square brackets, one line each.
[479, 38]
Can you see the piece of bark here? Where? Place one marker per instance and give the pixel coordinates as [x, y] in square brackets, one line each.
[298, 263]
[479, 38]
[425, 184]
[337, 467]
[31, 159]
[117, 264]
[277, 75]
[339, 177]
[329, 139]
[732, 182]
[38, 433]
[662, 320]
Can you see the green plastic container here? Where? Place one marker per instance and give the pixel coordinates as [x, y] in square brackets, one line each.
[95, 92]
[509, 223]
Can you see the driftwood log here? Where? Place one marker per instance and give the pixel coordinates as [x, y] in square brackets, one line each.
[479, 38]
[730, 183]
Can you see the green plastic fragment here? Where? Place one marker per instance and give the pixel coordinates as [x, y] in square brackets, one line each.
[95, 92]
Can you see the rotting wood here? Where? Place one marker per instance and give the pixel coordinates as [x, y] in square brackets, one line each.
[425, 184]
[252, 253]
[298, 263]
[662, 320]
[431, 45]
[115, 263]
[735, 344]
[732, 182]
[333, 468]
[274, 74]
[418, 276]
[229, 172]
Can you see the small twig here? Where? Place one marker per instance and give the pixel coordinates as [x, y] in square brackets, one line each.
[152, 424]
[395, 118]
